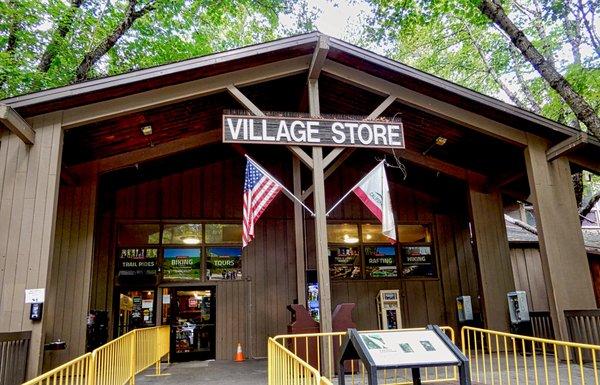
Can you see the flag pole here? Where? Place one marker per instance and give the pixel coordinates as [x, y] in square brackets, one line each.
[352, 189]
[285, 190]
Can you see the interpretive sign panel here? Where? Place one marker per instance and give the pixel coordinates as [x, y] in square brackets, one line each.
[402, 349]
[408, 348]
[313, 132]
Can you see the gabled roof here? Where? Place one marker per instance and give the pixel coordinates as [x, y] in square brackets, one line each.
[110, 87]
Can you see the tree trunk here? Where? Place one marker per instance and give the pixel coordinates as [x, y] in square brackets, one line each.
[533, 104]
[585, 210]
[572, 31]
[64, 26]
[92, 57]
[584, 112]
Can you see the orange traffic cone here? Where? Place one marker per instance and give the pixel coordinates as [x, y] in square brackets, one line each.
[239, 356]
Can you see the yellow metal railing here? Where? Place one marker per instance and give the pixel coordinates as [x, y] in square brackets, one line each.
[503, 358]
[287, 368]
[306, 350]
[114, 363]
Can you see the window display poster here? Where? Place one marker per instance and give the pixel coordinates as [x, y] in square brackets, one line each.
[413, 347]
[224, 263]
[181, 264]
[380, 261]
[344, 262]
[137, 261]
[417, 261]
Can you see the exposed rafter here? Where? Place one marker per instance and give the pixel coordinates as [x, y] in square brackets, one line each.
[145, 154]
[318, 58]
[475, 178]
[16, 124]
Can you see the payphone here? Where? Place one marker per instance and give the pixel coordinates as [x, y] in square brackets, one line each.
[464, 308]
[520, 323]
[388, 309]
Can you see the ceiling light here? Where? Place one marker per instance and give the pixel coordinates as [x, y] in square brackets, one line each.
[369, 236]
[350, 239]
[190, 240]
[147, 130]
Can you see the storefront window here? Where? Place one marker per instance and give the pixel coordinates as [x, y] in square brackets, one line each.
[381, 262]
[223, 263]
[223, 233]
[417, 261]
[185, 234]
[344, 262]
[372, 234]
[136, 262]
[181, 264]
[413, 233]
[138, 234]
[346, 233]
[361, 251]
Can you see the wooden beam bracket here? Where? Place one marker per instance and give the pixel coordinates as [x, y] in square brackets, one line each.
[566, 146]
[318, 58]
[302, 155]
[240, 97]
[16, 124]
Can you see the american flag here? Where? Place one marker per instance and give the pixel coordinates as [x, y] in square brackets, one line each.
[259, 191]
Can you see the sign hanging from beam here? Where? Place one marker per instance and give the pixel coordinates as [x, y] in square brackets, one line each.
[311, 131]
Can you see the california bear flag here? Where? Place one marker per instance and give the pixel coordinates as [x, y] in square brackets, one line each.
[373, 190]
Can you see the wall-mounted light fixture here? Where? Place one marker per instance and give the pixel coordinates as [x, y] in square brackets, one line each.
[147, 130]
[439, 141]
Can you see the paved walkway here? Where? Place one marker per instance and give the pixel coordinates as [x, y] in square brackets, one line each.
[254, 372]
[250, 372]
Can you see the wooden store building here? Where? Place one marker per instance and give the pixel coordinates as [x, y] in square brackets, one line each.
[122, 197]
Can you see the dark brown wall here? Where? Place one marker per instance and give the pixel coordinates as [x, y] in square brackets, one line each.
[201, 188]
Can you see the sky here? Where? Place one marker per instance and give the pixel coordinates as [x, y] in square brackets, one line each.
[337, 18]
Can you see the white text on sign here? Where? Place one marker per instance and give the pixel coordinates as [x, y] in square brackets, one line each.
[305, 131]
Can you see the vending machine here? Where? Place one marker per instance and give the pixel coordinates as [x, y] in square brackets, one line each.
[388, 309]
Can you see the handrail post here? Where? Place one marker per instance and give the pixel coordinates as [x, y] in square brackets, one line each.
[158, 346]
[91, 369]
[133, 357]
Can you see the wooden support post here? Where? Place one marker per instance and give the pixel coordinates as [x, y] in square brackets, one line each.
[299, 234]
[321, 231]
[493, 254]
[564, 260]
[30, 176]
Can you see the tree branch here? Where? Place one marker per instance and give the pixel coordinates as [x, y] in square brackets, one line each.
[521, 224]
[64, 26]
[584, 112]
[92, 57]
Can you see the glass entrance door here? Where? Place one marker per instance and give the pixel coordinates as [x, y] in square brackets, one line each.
[136, 309]
[192, 318]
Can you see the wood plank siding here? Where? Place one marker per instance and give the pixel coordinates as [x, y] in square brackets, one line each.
[250, 310]
[29, 178]
[68, 292]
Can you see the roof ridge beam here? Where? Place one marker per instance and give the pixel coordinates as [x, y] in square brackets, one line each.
[318, 57]
[16, 124]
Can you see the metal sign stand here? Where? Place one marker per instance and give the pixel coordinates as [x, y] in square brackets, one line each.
[354, 348]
